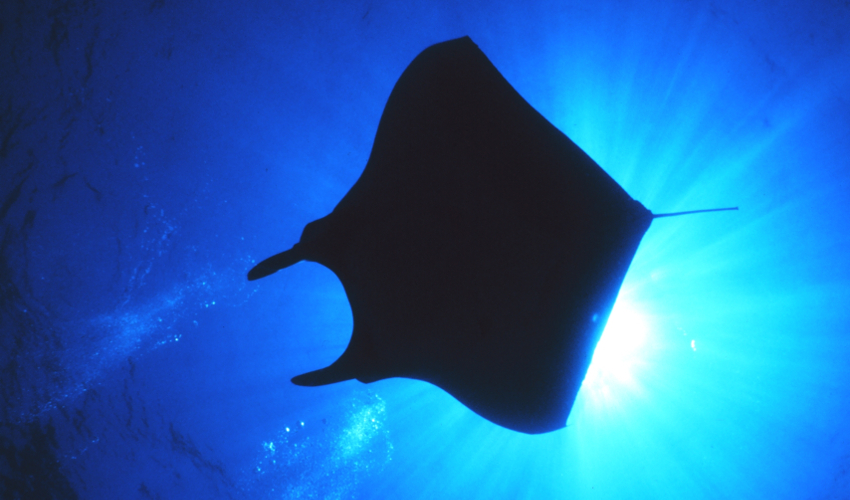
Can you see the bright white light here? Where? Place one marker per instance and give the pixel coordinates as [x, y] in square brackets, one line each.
[619, 350]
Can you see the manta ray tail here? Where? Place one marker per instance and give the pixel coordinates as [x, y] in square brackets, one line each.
[656, 216]
[276, 262]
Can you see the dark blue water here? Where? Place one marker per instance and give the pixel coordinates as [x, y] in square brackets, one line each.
[151, 152]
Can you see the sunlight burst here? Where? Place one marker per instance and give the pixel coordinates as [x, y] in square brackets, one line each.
[619, 349]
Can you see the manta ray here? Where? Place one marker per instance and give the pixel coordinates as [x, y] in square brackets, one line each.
[481, 250]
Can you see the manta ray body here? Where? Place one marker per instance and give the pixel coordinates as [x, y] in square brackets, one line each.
[481, 250]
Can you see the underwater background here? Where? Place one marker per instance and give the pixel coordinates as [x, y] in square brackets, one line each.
[152, 151]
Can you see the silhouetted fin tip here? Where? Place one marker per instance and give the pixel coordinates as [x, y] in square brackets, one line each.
[673, 214]
[330, 375]
[276, 262]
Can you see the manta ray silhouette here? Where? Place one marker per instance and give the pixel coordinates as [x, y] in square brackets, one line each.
[481, 249]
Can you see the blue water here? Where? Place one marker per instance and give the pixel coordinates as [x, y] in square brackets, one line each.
[151, 153]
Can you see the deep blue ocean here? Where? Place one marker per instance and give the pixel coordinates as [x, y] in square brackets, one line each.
[152, 152]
